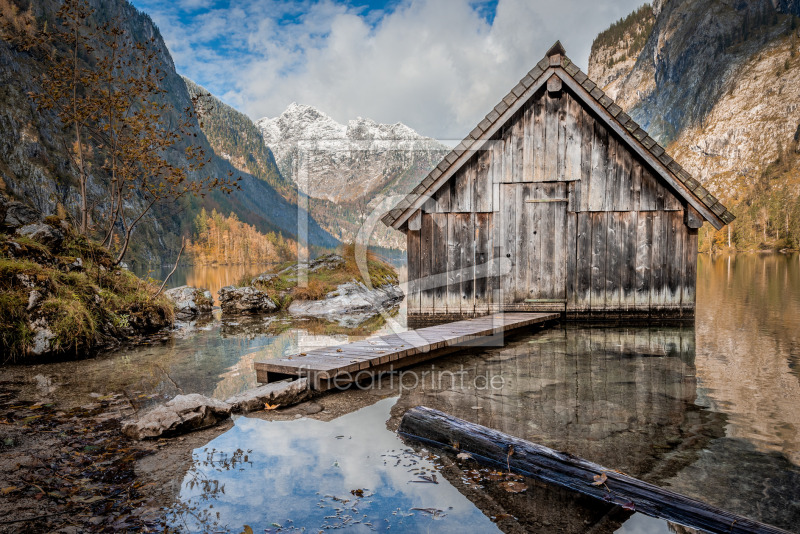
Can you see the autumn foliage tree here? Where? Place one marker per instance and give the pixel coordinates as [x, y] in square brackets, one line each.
[106, 89]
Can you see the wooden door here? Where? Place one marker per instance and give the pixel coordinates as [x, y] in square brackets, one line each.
[533, 230]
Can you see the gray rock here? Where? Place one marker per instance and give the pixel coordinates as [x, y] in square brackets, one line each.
[43, 233]
[42, 338]
[279, 393]
[75, 266]
[19, 214]
[350, 305]
[34, 297]
[263, 278]
[245, 300]
[180, 415]
[189, 301]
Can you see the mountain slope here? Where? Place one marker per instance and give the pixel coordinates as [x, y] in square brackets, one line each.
[718, 83]
[340, 163]
[35, 164]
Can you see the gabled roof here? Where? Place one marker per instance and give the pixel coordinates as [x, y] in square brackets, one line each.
[556, 63]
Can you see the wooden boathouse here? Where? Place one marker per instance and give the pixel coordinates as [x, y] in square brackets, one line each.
[557, 201]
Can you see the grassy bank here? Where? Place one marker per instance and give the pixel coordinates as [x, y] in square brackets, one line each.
[285, 286]
[68, 299]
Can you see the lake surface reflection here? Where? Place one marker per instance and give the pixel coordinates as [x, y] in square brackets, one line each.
[712, 411]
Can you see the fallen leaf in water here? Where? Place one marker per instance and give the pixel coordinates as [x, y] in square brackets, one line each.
[338, 350]
[247, 530]
[9, 489]
[357, 492]
[599, 479]
[268, 406]
[513, 486]
[464, 456]
[303, 354]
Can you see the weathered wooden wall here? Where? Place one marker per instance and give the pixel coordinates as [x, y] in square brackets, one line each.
[585, 226]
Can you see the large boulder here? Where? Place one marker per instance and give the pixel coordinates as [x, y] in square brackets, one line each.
[180, 415]
[189, 301]
[42, 233]
[245, 300]
[350, 305]
[277, 394]
[18, 214]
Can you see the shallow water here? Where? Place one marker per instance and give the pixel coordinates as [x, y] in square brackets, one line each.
[712, 411]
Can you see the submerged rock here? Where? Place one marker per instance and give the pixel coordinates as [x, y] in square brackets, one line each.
[180, 415]
[245, 300]
[350, 305]
[43, 233]
[277, 394]
[189, 301]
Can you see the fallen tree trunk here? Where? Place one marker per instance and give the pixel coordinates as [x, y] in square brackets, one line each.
[525, 458]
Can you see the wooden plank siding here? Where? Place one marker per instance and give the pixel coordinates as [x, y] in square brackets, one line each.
[586, 226]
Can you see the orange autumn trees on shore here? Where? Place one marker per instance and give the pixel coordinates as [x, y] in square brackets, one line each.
[221, 240]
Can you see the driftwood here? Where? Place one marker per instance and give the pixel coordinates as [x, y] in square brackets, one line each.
[494, 448]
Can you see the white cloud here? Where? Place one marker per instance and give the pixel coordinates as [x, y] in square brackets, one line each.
[435, 65]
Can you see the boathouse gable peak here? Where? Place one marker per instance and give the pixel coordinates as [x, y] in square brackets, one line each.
[554, 81]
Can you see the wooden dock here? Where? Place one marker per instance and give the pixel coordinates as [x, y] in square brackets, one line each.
[362, 360]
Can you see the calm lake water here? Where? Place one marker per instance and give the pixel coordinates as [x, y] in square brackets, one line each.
[712, 411]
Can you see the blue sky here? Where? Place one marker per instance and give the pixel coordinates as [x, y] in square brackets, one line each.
[435, 65]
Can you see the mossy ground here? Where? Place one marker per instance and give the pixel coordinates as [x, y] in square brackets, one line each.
[285, 288]
[84, 308]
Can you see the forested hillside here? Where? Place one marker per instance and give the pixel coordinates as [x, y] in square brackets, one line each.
[37, 151]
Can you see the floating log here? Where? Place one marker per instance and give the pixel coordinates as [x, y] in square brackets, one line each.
[494, 448]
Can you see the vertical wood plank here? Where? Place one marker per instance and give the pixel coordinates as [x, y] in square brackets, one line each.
[636, 186]
[612, 184]
[583, 269]
[571, 250]
[675, 257]
[483, 250]
[454, 256]
[624, 179]
[463, 181]
[599, 233]
[573, 130]
[466, 234]
[539, 154]
[587, 142]
[657, 278]
[442, 197]
[414, 267]
[482, 184]
[690, 270]
[644, 240]
[524, 229]
[628, 268]
[508, 231]
[426, 267]
[559, 246]
[497, 148]
[597, 186]
[551, 152]
[614, 256]
[562, 106]
[528, 149]
[439, 255]
[518, 147]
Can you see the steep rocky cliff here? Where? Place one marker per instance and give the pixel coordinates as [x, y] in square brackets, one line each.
[35, 163]
[718, 82]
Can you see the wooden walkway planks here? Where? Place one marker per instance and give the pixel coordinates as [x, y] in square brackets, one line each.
[390, 352]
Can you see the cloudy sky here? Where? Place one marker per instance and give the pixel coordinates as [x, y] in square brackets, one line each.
[435, 65]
